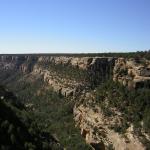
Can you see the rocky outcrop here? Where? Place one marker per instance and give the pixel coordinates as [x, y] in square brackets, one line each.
[97, 128]
[133, 73]
[62, 86]
[85, 63]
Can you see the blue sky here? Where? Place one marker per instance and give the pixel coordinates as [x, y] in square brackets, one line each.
[50, 26]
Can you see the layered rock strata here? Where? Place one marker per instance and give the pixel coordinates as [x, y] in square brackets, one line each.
[98, 69]
[133, 73]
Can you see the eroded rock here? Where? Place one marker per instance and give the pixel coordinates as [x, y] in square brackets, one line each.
[131, 72]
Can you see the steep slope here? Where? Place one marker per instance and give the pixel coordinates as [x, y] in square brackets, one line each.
[51, 112]
[109, 115]
[112, 117]
[18, 129]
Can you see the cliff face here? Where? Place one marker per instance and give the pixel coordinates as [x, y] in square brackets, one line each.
[85, 63]
[21, 63]
[133, 73]
[79, 83]
[93, 68]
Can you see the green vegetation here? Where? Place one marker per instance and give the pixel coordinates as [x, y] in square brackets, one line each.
[18, 128]
[50, 112]
[87, 77]
[67, 71]
[138, 54]
[133, 104]
[55, 114]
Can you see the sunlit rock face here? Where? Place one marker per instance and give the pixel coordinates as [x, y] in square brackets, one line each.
[133, 73]
[96, 128]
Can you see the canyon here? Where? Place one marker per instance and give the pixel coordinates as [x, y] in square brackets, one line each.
[77, 78]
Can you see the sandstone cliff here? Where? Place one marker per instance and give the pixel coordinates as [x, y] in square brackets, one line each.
[133, 73]
[95, 69]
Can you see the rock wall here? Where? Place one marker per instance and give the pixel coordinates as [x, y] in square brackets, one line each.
[97, 67]
[133, 73]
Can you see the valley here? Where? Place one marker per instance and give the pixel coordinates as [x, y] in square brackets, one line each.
[85, 101]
